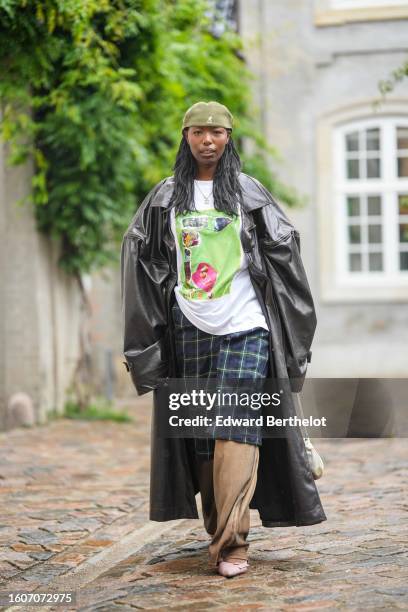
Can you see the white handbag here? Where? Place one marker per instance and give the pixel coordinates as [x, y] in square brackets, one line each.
[315, 460]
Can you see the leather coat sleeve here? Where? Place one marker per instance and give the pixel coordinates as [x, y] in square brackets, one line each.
[144, 314]
[280, 245]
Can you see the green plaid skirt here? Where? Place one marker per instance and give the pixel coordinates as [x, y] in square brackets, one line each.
[239, 356]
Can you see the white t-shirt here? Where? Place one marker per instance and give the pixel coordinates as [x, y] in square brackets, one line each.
[214, 289]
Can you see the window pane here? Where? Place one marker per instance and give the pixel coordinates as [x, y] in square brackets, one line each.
[373, 168]
[402, 137]
[353, 169]
[403, 232]
[403, 166]
[373, 139]
[375, 262]
[355, 262]
[404, 261]
[374, 234]
[374, 205]
[355, 234]
[352, 141]
[403, 204]
[353, 206]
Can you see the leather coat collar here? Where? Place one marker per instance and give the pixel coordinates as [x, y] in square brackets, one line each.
[253, 197]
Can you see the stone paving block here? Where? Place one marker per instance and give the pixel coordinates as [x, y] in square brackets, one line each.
[316, 605]
[72, 525]
[54, 547]
[94, 543]
[41, 556]
[76, 537]
[392, 571]
[20, 559]
[276, 555]
[7, 570]
[401, 591]
[29, 548]
[44, 574]
[70, 558]
[37, 536]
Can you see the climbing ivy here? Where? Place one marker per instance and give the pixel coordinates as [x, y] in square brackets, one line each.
[94, 92]
[387, 85]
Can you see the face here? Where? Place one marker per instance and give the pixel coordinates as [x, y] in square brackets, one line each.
[207, 144]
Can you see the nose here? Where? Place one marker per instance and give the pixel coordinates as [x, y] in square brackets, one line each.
[207, 137]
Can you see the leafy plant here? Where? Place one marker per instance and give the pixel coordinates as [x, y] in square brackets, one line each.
[99, 410]
[95, 90]
[387, 85]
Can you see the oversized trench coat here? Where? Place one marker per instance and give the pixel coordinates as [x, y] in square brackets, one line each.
[286, 493]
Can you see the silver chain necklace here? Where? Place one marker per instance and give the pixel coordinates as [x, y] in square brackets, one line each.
[206, 197]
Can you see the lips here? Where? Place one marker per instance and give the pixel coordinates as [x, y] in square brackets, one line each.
[207, 153]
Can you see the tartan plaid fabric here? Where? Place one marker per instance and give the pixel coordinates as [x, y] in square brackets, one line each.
[239, 356]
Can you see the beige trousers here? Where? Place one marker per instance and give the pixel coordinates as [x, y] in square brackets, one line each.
[227, 484]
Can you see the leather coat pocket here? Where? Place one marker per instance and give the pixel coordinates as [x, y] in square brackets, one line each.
[147, 367]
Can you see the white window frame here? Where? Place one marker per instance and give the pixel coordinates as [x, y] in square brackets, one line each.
[338, 284]
[356, 4]
[338, 12]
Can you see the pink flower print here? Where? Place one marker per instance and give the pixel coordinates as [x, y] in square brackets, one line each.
[205, 277]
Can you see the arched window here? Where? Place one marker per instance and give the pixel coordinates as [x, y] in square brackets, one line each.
[371, 182]
[366, 214]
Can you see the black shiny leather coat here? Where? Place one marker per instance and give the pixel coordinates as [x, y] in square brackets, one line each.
[286, 493]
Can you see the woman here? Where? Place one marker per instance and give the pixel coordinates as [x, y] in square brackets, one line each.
[213, 288]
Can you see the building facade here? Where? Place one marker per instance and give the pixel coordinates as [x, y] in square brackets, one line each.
[345, 149]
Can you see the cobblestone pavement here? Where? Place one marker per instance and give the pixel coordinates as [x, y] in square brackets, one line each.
[74, 517]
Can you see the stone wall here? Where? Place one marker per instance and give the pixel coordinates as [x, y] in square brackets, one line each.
[39, 305]
[106, 335]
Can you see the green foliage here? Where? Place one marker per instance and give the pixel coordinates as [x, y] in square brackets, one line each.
[99, 411]
[387, 85]
[95, 91]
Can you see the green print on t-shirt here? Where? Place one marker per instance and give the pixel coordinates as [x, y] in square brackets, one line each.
[210, 251]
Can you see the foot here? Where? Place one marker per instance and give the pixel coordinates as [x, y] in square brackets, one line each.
[229, 569]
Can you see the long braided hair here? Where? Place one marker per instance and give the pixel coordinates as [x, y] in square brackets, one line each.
[227, 189]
